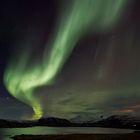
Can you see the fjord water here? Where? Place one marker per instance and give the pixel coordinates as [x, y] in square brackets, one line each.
[10, 132]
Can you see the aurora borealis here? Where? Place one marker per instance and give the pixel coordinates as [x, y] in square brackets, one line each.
[86, 64]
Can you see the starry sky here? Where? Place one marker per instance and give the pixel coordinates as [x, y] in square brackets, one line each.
[101, 76]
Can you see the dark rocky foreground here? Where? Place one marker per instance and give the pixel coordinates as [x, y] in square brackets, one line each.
[134, 136]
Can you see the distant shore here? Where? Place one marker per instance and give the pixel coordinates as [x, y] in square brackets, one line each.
[133, 136]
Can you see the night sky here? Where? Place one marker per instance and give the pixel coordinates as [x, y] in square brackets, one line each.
[99, 76]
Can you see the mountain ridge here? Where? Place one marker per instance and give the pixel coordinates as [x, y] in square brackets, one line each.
[114, 121]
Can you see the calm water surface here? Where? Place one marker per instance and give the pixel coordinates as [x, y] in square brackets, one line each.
[9, 132]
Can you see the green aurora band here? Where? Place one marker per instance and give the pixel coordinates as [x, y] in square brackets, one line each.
[76, 19]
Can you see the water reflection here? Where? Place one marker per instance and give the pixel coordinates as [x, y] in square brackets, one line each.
[9, 132]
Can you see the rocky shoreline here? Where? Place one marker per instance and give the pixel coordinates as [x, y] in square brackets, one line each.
[133, 136]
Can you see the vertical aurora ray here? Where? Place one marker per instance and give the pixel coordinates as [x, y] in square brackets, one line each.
[76, 19]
